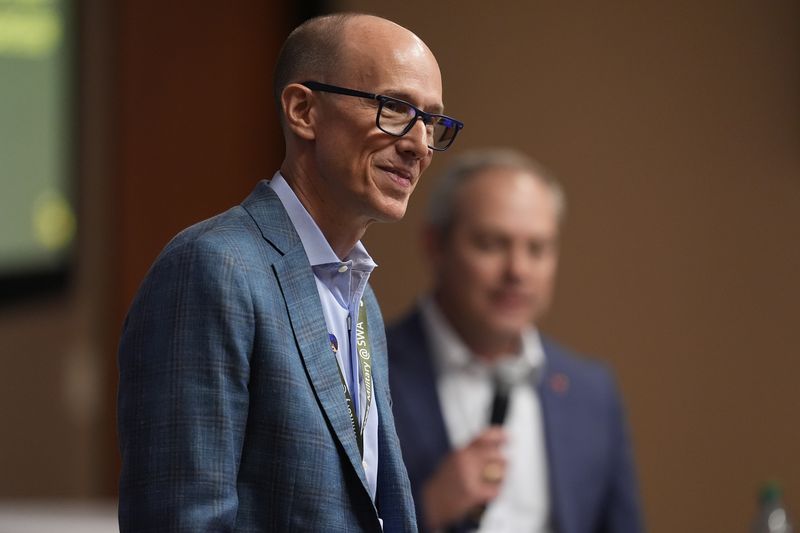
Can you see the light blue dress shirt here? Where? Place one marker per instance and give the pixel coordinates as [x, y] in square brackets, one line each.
[341, 284]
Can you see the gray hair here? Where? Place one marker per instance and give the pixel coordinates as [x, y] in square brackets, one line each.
[465, 166]
[312, 50]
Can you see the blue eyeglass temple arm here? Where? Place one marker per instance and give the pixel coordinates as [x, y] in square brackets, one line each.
[324, 87]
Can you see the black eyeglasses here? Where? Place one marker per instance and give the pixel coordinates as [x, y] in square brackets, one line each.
[396, 117]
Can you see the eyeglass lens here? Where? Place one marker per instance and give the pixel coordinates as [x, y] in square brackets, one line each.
[397, 118]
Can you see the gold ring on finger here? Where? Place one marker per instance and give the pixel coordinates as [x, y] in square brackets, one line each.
[492, 472]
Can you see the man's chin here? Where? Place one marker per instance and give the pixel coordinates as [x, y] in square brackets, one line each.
[511, 328]
[391, 212]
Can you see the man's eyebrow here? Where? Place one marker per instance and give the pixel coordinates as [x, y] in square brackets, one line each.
[400, 95]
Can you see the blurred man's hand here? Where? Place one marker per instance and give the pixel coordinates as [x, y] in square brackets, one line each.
[466, 480]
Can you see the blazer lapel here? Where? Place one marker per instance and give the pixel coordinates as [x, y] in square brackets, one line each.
[554, 411]
[305, 312]
[299, 289]
[393, 488]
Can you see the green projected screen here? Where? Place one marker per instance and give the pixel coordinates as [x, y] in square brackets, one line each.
[37, 214]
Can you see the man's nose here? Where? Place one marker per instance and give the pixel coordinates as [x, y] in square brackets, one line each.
[416, 140]
[519, 263]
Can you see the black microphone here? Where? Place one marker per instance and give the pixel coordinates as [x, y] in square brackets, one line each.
[504, 378]
[502, 389]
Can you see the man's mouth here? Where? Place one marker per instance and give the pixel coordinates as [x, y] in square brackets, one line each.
[401, 176]
[512, 299]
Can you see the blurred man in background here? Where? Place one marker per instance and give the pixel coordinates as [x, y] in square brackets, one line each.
[501, 428]
[253, 393]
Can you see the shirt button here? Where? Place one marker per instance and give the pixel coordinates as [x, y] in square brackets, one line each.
[364, 464]
[343, 268]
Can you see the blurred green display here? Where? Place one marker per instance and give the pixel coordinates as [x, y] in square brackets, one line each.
[37, 215]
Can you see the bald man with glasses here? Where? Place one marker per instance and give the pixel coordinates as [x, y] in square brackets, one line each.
[253, 388]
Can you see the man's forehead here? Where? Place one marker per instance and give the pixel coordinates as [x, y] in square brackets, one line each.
[394, 62]
[421, 87]
[427, 100]
[541, 224]
[500, 191]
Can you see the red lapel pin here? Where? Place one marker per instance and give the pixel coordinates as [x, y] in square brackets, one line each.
[559, 383]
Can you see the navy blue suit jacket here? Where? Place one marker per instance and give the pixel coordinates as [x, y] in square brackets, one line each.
[231, 411]
[591, 473]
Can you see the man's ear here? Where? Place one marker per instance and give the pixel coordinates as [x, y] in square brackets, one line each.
[297, 109]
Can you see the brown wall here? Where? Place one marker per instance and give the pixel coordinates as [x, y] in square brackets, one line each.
[676, 129]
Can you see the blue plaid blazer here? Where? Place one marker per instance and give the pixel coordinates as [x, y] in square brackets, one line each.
[231, 415]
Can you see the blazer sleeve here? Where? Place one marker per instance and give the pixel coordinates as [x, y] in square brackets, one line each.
[183, 391]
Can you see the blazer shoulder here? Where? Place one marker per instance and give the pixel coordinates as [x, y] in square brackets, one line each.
[231, 235]
[588, 373]
[240, 231]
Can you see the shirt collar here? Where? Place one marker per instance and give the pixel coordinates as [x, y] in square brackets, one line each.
[452, 355]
